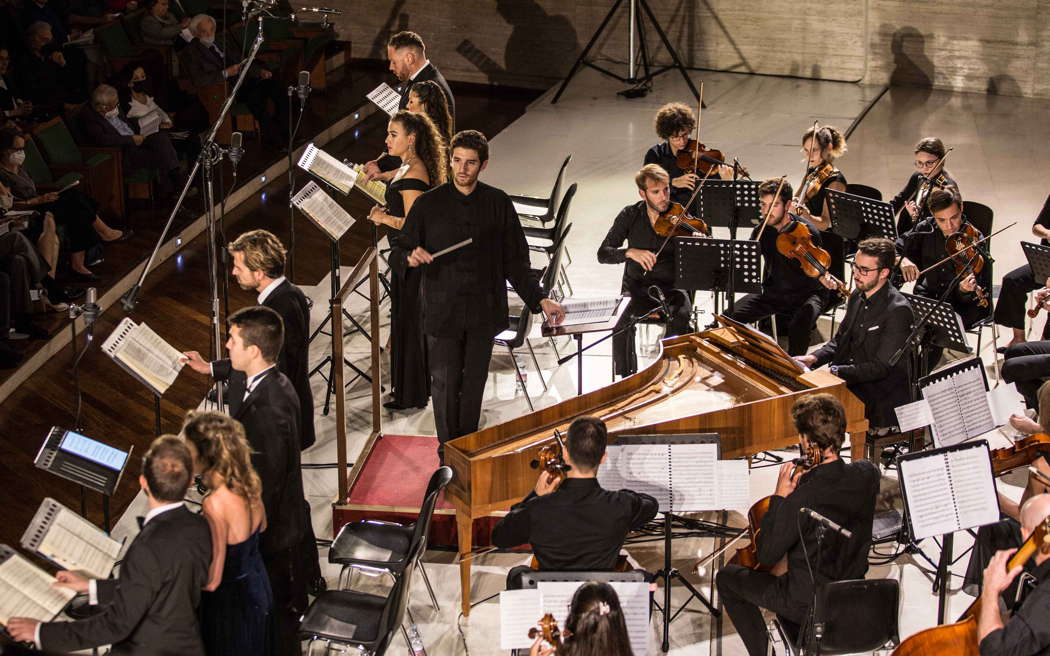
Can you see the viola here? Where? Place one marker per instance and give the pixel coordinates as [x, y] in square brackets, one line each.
[962, 247]
[549, 631]
[1020, 453]
[960, 638]
[697, 158]
[675, 221]
[796, 243]
[551, 458]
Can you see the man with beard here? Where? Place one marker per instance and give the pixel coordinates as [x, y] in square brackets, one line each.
[649, 259]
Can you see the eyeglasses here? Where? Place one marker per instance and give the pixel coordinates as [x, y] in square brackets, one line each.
[925, 165]
[865, 270]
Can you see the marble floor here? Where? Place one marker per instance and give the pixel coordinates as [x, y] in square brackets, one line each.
[758, 120]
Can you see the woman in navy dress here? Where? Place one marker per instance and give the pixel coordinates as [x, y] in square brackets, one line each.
[236, 605]
[414, 138]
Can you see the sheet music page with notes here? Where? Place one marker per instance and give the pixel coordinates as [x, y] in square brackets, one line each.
[385, 98]
[929, 492]
[634, 600]
[26, 591]
[327, 214]
[974, 487]
[328, 168]
[519, 611]
[580, 311]
[959, 405]
[950, 490]
[375, 190]
[643, 468]
[694, 477]
[144, 352]
[72, 542]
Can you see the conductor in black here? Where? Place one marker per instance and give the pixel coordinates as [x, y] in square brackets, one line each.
[828, 487]
[465, 290]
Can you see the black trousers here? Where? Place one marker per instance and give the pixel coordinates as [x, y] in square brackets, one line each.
[1004, 534]
[625, 360]
[458, 368]
[1013, 297]
[1027, 364]
[310, 560]
[256, 93]
[802, 313]
[744, 592]
[289, 599]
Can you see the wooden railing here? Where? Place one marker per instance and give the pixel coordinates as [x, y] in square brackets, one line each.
[371, 261]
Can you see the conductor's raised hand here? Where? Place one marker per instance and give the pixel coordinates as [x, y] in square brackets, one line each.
[554, 311]
[419, 256]
[193, 360]
[647, 259]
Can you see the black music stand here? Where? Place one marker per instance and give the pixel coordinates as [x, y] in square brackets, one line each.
[1038, 257]
[858, 217]
[577, 331]
[946, 326]
[728, 203]
[704, 264]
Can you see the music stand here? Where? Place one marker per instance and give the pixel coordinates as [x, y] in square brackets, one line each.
[1038, 257]
[726, 203]
[859, 217]
[577, 331]
[704, 264]
[947, 327]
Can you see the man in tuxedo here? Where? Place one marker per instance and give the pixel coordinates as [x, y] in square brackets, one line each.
[151, 607]
[258, 265]
[877, 324]
[264, 401]
[102, 124]
[408, 61]
[207, 64]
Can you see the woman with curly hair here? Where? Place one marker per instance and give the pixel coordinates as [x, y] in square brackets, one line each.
[236, 605]
[426, 97]
[595, 626]
[416, 140]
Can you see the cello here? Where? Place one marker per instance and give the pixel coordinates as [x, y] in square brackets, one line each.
[961, 638]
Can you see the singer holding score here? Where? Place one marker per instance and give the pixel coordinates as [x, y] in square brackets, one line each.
[823, 491]
[465, 290]
[648, 274]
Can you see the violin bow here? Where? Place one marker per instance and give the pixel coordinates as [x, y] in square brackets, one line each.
[769, 212]
[952, 256]
[699, 113]
[805, 170]
[939, 163]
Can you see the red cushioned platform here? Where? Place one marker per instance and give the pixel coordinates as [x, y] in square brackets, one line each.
[390, 487]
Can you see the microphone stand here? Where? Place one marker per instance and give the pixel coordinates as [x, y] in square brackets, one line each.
[210, 153]
[292, 132]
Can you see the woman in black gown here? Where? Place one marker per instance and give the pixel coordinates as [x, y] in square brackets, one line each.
[235, 609]
[415, 139]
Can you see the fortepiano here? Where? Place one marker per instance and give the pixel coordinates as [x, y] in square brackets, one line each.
[728, 380]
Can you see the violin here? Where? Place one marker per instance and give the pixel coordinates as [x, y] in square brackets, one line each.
[549, 631]
[796, 243]
[675, 221]
[813, 181]
[696, 158]
[961, 246]
[1020, 453]
[551, 458]
[961, 637]
[1037, 303]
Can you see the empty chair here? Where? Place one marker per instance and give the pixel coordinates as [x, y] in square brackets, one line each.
[542, 210]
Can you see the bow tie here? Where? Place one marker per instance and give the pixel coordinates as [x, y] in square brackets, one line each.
[141, 521]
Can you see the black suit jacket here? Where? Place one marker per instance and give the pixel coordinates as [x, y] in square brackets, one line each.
[204, 67]
[863, 346]
[270, 416]
[95, 130]
[289, 301]
[151, 607]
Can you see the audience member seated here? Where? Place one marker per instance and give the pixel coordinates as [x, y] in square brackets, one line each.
[160, 27]
[596, 625]
[26, 271]
[207, 64]
[135, 88]
[12, 105]
[45, 76]
[75, 212]
[600, 519]
[41, 230]
[102, 124]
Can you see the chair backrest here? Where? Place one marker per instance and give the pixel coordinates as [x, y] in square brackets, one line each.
[35, 165]
[855, 616]
[57, 142]
[981, 216]
[556, 190]
[550, 274]
[114, 39]
[438, 480]
[396, 603]
[864, 190]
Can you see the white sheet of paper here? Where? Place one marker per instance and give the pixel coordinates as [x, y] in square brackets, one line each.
[1005, 400]
[974, 488]
[734, 485]
[519, 611]
[928, 488]
[914, 415]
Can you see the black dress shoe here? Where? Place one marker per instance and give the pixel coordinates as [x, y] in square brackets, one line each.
[34, 331]
[124, 236]
[83, 277]
[395, 405]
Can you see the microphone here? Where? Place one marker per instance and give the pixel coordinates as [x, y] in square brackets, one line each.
[90, 307]
[657, 295]
[303, 89]
[813, 514]
[236, 151]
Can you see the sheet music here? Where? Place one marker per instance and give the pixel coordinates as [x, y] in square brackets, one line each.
[328, 168]
[681, 477]
[959, 407]
[145, 353]
[634, 600]
[580, 311]
[643, 468]
[1005, 400]
[694, 472]
[734, 485]
[69, 540]
[929, 494]
[149, 124]
[519, 611]
[913, 415]
[385, 98]
[25, 590]
[374, 189]
[324, 211]
[974, 487]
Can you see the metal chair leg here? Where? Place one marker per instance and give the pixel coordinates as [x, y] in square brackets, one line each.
[521, 379]
[536, 363]
[426, 580]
